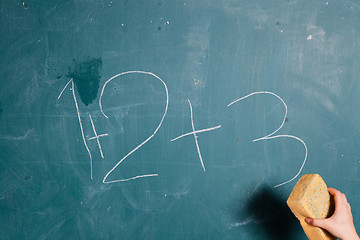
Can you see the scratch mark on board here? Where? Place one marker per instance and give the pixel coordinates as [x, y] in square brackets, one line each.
[19, 137]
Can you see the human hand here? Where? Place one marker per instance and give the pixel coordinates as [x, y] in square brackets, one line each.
[340, 224]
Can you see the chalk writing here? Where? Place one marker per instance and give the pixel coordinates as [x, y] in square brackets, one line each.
[146, 140]
[194, 132]
[80, 123]
[197, 131]
[81, 128]
[271, 135]
[64, 89]
[97, 136]
[195, 136]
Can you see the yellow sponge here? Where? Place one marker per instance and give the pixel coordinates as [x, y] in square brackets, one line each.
[310, 198]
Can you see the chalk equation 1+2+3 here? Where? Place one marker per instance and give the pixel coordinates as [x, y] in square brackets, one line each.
[194, 132]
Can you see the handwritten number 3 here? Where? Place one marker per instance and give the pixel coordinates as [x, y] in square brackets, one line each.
[146, 140]
[272, 135]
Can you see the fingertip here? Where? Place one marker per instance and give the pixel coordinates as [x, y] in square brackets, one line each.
[309, 220]
[332, 191]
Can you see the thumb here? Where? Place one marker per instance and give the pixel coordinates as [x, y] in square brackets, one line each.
[322, 223]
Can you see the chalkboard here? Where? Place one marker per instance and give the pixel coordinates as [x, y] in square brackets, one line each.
[166, 119]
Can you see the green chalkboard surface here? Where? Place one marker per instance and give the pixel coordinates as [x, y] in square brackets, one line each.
[167, 119]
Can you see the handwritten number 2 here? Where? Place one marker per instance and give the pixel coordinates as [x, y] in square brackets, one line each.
[147, 139]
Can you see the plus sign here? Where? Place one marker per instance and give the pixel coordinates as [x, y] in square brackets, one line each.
[97, 136]
[194, 133]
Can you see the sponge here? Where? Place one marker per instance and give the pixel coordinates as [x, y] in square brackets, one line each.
[310, 198]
